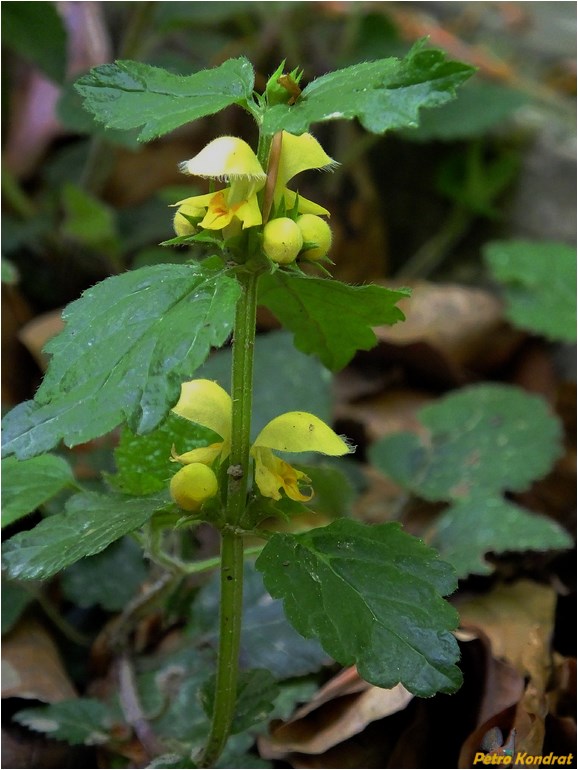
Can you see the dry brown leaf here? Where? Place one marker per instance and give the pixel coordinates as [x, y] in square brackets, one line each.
[381, 499]
[518, 619]
[344, 707]
[454, 328]
[503, 684]
[562, 698]
[31, 665]
[137, 176]
[390, 412]
[24, 749]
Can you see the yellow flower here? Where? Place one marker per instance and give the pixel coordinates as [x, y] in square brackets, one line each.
[299, 153]
[204, 402]
[229, 159]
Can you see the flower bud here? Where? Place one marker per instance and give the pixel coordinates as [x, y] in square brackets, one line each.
[181, 225]
[283, 88]
[314, 230]
[193, 485]
[282, 240]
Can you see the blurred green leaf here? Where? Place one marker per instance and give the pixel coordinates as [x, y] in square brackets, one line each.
[334, 493]
[36, 31]
[172, 762]
[285, 379]
[256, 694]
[15, 599]
[176, 14]
[78, 721]
[267, 640]
[372, 595]
[128, 344]
[483, 440]
[90, 522]
[29, 483]
[490, 437]
[473, 527]
[475, 181]
[109, 579]
[168, 686]
[481, 107]
[375, 35]
[539, 283]
[384, 95]
[89, 221]
[129, 94]
[329, 319]
[292, 693]
[10, 275]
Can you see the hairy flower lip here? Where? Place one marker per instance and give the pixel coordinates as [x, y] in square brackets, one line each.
[298, 154]
[225, 158]
[206, 403]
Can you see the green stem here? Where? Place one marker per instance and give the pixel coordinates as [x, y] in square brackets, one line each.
[178, 567]
[242, 395]
[231, 607]
[229, 642]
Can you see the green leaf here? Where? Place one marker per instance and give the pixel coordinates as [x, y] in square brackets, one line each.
[267, 639]
[285, 379]
[78, 721]
[172, 762]
[109, 579]
[485, 437]
[15, 599]
[481, 106]
[256, 694]
[128, 344]
[373, 597]
[329, 319]
[75, 118]
[483, 440]
[129, 94]
[144, 462]
[384, 95]
[36, 31]
[89, 222]
[476, 526]
[90, 523]
[292, 693]
[334, 492]
[169, 688]
[539, 282]
[28, 484]
[476, 182]
[10, 275]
